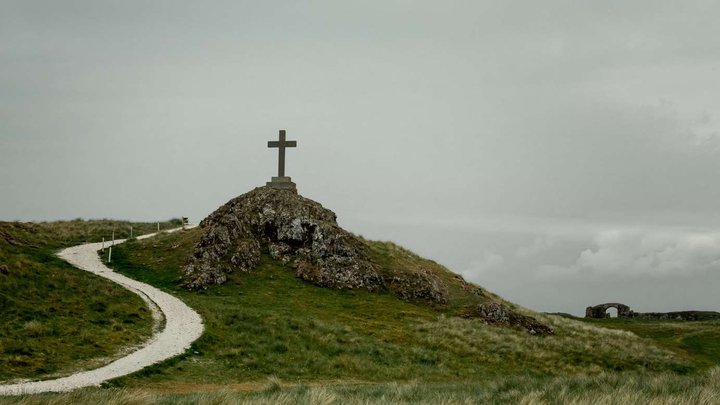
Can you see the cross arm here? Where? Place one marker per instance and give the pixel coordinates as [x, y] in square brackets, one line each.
[287, 144]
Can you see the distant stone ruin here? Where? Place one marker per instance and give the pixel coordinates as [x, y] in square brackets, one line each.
[600, 311]
[624, 311]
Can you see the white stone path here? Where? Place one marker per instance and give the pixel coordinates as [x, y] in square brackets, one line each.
[182, 327]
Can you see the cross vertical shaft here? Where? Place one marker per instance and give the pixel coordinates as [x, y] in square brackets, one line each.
[281, 152]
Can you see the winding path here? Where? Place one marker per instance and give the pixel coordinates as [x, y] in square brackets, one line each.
[182, 327]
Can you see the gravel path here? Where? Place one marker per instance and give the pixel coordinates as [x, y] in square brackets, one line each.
[182, 327]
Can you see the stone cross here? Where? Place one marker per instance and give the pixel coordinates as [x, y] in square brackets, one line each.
[281, 181]
[281, 145]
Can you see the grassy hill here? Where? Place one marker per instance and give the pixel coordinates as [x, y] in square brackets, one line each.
[272, 338]
[698, 342]
[57, 319]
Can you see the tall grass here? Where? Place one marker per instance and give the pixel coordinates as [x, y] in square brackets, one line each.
[699, 340]
[575, 348]
[600, 389]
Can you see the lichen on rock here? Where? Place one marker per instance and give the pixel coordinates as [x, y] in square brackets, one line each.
[419, 285]
[294, 230]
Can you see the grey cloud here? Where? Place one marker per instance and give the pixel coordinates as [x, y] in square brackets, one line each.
[640, 254]
[467, 130]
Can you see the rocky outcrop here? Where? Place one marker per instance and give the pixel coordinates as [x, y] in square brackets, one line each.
[292, 229]
[419, 285]
[305, 236]
[495, 313]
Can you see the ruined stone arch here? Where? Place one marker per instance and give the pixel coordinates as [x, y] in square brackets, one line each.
[600, 311]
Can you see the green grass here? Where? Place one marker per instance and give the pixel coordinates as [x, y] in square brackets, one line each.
[695, 341]
[57, 319]
[271, 338]
[269, 323]
[394, 260]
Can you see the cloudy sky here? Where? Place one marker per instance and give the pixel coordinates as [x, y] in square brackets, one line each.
[560, 153]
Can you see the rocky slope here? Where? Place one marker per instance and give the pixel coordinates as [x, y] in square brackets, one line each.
[293, 230]
[305, 236]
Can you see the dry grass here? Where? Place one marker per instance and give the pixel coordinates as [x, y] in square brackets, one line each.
[601, 389]
[575, 348]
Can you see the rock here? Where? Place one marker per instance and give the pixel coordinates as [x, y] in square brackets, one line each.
[4, 270]
[246, 254]
[292, 229]
[420, 285]
[495, 313]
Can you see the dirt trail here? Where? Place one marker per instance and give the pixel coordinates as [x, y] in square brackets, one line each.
[182, 327]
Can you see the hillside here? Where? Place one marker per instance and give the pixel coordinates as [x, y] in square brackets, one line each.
[269, 322]
[305, 237]
[354, 346]
[57, 319]
[329, 345]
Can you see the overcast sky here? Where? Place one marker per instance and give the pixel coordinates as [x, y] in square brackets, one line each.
[560, 153]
